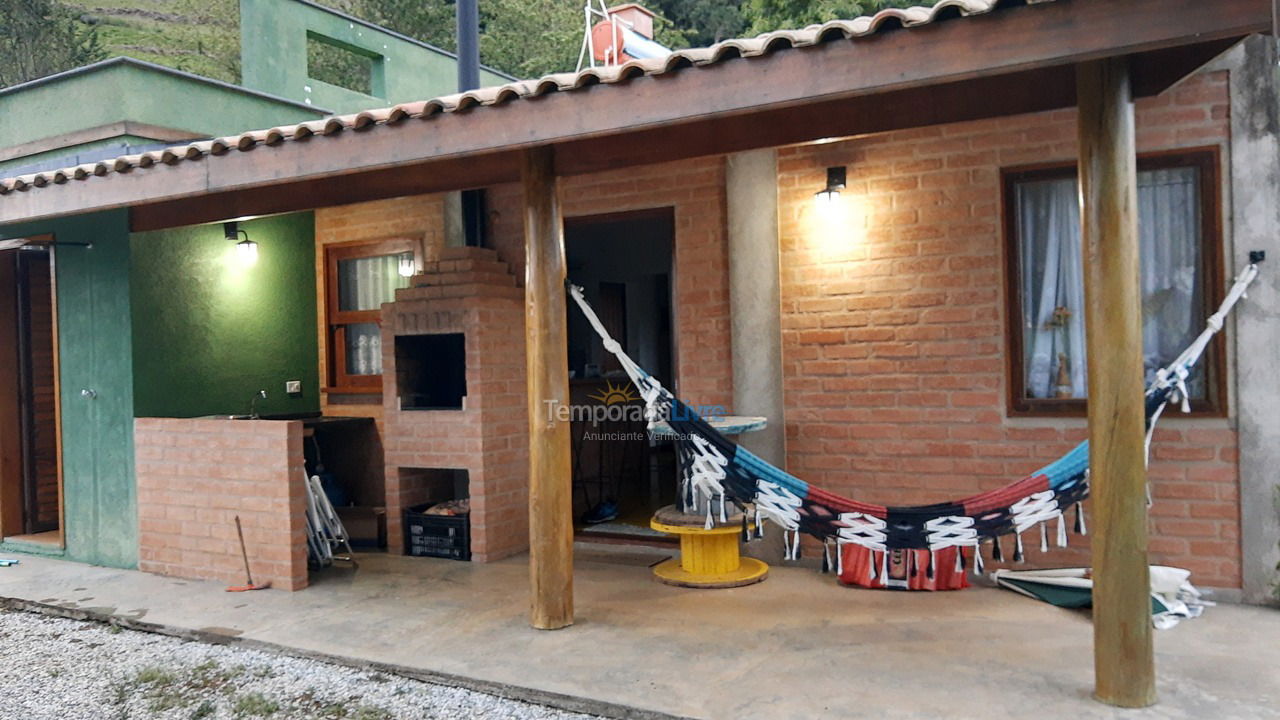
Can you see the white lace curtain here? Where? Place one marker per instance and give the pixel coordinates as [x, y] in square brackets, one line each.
[364, 284]
[1052, 287]
[367, 282]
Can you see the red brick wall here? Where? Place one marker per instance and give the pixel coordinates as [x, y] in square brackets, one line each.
[195, 476]
[695, 189]
[894, 332]
[420, 217]
[470, 292]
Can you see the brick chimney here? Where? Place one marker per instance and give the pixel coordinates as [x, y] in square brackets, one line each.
[634, 17]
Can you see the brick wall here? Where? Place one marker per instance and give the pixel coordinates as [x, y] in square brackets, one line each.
[469, 291]
[895, 337]
[420, 217]
[195, 476]
[695, 189]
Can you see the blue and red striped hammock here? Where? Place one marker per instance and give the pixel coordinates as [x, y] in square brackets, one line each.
[719, 473]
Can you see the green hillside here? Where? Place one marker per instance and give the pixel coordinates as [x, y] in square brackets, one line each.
[199, 36]
[526, 38]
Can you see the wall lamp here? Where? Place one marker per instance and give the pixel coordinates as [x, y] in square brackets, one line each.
[408, 266]
[246, 248]
[836, 177]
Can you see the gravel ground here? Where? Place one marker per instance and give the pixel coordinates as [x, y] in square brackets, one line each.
[58, 669]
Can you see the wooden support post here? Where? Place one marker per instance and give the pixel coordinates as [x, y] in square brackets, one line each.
[1124, 665]
[546, 354]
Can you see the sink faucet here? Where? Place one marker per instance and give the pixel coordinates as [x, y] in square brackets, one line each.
[253, 403]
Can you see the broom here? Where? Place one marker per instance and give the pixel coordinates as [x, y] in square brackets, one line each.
[247, 573]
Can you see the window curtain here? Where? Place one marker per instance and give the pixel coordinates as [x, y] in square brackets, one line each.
[1169, 228]
[1052, 288]
[364, 284]
[1048, 223]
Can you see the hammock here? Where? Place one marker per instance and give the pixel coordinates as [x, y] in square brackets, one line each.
[717, 472]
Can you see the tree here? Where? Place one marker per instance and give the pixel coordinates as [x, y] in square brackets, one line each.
[42, 37]
[531, 38]
[704, 22]
[766, 15]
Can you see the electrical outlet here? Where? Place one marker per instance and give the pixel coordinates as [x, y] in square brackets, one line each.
[293, 387]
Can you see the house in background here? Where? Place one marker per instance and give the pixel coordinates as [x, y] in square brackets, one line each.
[125, 107]
[297, 59]
[918, 340]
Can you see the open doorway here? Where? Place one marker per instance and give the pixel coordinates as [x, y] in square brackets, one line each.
[624, 264]
[30, 483]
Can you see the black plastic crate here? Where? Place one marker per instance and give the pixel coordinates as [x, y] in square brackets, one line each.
[442, 536]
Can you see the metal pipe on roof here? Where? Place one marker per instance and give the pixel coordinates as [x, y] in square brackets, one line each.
[468, 16]
[641, 47]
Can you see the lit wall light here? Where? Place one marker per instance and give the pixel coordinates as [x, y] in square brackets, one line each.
[828, 195]
[246, 249]
[408, 268]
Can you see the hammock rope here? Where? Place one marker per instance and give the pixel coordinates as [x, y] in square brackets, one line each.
[717, 472]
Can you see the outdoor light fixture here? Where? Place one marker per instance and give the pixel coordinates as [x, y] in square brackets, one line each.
[407, 266]
[835, 183]
[246, 248]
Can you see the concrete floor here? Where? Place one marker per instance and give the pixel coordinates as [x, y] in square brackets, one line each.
[795, 646]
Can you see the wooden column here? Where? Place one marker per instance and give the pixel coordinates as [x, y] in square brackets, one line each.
[1124, 666]
[546, 353]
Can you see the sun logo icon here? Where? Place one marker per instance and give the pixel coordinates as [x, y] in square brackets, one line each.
[615, 394]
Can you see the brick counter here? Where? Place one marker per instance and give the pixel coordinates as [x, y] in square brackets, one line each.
[195, 476]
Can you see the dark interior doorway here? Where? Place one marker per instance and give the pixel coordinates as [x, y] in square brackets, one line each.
[624, 264]
[30, 503]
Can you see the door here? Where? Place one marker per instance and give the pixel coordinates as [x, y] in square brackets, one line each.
[30, 486]
[624, 264]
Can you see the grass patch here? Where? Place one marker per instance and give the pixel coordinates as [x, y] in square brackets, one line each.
[254, 705]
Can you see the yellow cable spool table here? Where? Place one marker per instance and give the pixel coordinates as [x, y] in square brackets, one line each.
[709, 558]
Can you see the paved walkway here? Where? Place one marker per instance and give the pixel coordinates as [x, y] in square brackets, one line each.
[795, 646]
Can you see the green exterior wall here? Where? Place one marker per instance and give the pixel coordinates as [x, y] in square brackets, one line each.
[273, 52]
[100, 519]
[210, 332]
[122, 89]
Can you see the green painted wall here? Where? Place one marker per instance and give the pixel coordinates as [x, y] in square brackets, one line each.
[100, 507]
[273, 52]
[123, 89]
[209, 332]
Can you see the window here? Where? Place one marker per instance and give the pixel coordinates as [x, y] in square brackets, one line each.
[1179, 246]
[346, 66]
[359, 278]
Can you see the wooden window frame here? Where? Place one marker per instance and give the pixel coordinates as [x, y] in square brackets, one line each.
[336, 320]
[1207, 159]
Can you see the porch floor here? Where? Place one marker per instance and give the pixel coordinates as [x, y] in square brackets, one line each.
[795, 646]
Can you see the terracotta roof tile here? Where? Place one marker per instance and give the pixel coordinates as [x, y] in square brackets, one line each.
[764, 44]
